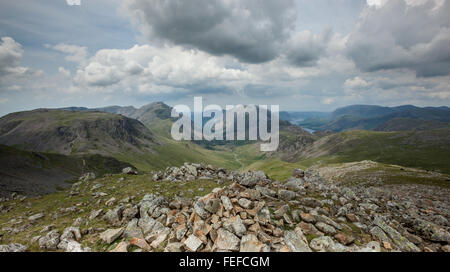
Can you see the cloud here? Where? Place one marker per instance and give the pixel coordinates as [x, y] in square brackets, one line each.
[153, 69]
[303, 55]
[305, 48]
[356, 83]
[63, 71]
[10, 57]
[396, 34]
[73, 2]
[14, 76]
[250, 31]
[381, 3]
[75, 53]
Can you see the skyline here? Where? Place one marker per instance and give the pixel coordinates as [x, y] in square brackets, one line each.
[300, 55]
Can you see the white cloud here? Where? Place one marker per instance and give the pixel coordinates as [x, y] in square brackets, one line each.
[248, 51]
[381, 3]
[328, 100]
[75, 53]
[10, 57]
[14, 76]
[142, 66]
[63, 71]
[73, 2]
[355, 83]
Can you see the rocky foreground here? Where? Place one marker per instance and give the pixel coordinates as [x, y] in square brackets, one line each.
[247, 212]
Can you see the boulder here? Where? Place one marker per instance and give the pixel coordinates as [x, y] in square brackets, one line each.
[326, 228]
[174, 247]
[129, 171]
[245, 203]
[298, 173]
[212, 205]
[398, 239]
[73, 246]
[250, 243]
[226, 241]
[140, 243]
[296, 241]
[294, 184]
[371, 247]
[431, 231]
[133, 230]
[36, 217]
[14, 247]
[87, 177]
[191, 170]
[50, 241]
[323, 244]
[114, 216]
[109, 236]
[226, 202]
[193, 243]
[286, 195]
[235, 225]
[122, 247]
[95, 214]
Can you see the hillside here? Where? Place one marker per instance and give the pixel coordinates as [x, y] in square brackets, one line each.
[75, 132]
[427, 149]
[233, 155]
[35, 173]
[149, 114]
[369, 117]
[405, 124]
[156, 117]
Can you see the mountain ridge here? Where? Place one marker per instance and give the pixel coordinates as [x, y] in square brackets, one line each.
[371, 117]
[71, 132]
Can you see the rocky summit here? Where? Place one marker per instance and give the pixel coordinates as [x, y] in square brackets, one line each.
[200, 208]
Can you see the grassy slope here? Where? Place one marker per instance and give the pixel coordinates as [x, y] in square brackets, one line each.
[172, 153]
[73, 132]
[61, 118]
[74, 165]
[349, 146]
[372, 173]
[426, 150]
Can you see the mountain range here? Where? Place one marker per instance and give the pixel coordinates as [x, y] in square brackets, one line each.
[103, 140]
[378, 118]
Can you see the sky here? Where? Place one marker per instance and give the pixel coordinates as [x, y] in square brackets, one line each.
[302, 55]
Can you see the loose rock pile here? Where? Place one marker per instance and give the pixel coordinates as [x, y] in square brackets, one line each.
[191, 172]
[258, 214]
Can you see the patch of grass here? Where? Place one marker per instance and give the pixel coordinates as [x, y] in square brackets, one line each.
[354, 228]
[426, 150]
[311, 237]
[377, 174]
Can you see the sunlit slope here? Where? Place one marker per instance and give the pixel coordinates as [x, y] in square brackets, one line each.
[427, 150]
[170, 152]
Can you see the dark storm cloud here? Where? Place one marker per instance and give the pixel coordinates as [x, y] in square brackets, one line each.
[398, 35]
[305, 48]
[251, 31]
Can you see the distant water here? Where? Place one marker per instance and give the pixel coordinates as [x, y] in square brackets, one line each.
[309, 130]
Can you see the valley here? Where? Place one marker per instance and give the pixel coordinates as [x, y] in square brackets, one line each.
[67, 184]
